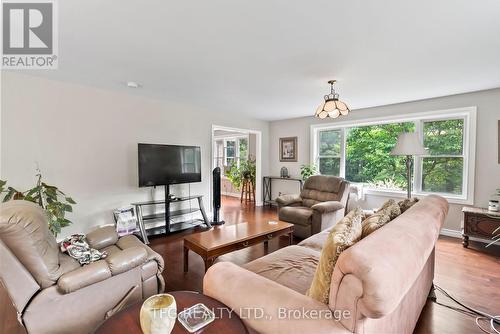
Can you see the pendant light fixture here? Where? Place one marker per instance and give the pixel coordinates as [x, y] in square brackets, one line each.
[332, 107]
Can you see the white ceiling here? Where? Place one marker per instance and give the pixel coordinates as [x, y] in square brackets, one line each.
[271, 59]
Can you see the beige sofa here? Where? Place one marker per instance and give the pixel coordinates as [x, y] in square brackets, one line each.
[51, 292]
[379, 285]
[319, 206]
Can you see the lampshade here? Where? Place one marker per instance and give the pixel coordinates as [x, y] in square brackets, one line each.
[332, 107]
[409, 144]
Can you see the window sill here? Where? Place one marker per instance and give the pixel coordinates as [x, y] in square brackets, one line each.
[402, 194]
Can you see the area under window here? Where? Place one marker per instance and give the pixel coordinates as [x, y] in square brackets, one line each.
[361, 152]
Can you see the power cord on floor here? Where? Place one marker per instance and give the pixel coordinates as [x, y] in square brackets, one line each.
[479, 315]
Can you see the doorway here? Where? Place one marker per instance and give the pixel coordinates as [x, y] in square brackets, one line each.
[233, 150]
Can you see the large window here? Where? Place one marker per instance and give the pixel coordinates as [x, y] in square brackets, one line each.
[329, 152]
[442, 169]
[368, 158]
[361, 153]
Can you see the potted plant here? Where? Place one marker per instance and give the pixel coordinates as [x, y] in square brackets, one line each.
[55, 203]
[245, 171]
[307, 171]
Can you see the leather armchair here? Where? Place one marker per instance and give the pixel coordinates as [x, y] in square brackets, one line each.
[321, 203]
[52, 292]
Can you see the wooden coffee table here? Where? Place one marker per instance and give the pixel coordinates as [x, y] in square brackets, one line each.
[127, 320]
[229, 238]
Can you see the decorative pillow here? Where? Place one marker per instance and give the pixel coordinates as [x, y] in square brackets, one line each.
[374, 222]
[343, 235]
[407, 203]
[391, 208]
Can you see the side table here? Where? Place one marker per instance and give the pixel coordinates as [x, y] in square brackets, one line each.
[479, 223]
[127, 320]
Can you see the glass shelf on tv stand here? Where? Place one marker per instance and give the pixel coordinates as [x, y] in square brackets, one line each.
[156, 224]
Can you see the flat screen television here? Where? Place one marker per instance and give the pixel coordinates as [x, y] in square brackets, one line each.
[168, 164]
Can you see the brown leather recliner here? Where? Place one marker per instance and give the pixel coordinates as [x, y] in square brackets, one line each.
[51, 291]
[320, 205]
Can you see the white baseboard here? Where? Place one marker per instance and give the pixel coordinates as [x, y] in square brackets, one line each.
[451, 233]
[458, 234]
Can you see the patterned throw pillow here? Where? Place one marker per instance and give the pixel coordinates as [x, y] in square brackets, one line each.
[407, 203]
[345, 234]
[374, 222]
[391, 208]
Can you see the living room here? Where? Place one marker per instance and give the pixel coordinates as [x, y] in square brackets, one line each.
[265, 159]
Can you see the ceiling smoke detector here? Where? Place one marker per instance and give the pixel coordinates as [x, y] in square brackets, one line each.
[133, 84]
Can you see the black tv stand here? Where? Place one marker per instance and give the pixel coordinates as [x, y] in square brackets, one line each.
[156, 224]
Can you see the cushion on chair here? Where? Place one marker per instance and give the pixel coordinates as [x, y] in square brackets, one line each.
[102, 237]
[293, 267]
[321, 188]
[284, 200]
[126, 260]
[328, 206]
[343, 235]
[296, 214]
[24, 230]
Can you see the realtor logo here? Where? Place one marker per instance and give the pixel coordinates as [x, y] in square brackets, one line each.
[29, 34]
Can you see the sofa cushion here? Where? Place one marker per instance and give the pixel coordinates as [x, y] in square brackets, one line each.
[296, 214]
[292, 267]
[343, 235]
[316, 241]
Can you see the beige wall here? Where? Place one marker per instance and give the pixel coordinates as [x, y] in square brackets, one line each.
[85, 141]
[487, 177]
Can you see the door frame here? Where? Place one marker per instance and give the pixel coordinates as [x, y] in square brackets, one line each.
[258, 158]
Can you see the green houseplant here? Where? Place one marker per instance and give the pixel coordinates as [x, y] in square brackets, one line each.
[49, 197]
[307, 171]
[246, 171]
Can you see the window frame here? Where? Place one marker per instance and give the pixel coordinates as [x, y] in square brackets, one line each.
[235, 139]
[468, 114]
[341, 151]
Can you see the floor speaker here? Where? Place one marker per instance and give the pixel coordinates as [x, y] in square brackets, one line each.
[216, 196]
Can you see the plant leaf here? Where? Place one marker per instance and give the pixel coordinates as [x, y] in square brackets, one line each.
[70, 200]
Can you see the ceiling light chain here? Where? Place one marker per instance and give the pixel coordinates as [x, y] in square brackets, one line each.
[332, 107]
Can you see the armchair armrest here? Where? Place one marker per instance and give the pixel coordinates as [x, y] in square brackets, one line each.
[328, 206]
[102, 237]
[267, 306]
[84, 276]
[285, 200]
[126, 259]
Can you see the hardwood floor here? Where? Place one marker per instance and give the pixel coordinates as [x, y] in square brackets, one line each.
[470, 275]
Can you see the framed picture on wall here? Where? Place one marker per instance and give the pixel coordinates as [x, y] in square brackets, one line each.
[288, 149]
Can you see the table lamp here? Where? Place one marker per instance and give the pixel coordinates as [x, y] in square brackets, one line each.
[409, 144]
